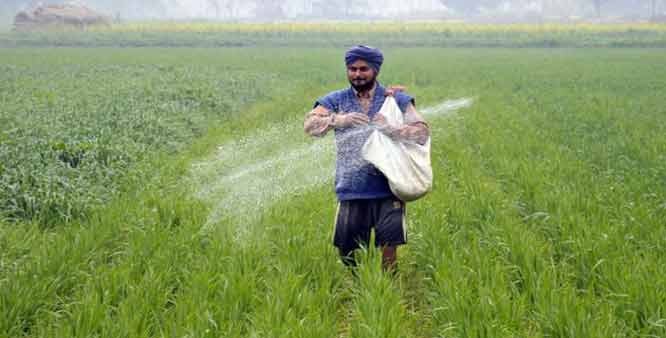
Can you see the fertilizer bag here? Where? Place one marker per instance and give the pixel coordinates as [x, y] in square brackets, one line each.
[405, 164]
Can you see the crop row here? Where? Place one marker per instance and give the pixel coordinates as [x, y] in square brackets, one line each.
[72, 133]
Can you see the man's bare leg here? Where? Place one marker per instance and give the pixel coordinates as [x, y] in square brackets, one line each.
[389, 258]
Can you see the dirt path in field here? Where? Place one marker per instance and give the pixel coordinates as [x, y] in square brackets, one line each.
[248, 175]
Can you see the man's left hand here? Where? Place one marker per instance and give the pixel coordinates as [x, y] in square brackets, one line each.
[392, 90]
[382, 125]
[417, 132]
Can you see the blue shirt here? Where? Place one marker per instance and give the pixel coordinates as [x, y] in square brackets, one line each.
[355, 178]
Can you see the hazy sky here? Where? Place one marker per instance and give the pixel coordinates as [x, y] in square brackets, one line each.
[357, 9]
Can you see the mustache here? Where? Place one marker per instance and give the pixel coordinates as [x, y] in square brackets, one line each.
[363, 86]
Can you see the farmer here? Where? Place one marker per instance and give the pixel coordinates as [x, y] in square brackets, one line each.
[365, 199]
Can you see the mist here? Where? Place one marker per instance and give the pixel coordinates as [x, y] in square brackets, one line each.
[317, 10]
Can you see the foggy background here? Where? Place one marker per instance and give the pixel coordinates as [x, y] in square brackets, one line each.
[317, 10]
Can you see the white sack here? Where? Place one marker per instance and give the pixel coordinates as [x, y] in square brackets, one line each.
[405, 164]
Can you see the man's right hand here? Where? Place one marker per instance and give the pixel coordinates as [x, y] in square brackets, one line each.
[350, 120]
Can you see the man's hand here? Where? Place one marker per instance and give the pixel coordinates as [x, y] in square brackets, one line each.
[391, 90]
[380, 121]
[382, 125]
[318, 121]
[350, 120]
[416, 131]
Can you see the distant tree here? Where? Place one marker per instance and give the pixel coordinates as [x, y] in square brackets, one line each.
[331, 8]
[224, 8]
[229, 6]
[462, 6]
[597, 6]
[653, 9]
[307, 7]
[270, 9]
[469, 7]
[362, 6]
[216, 7]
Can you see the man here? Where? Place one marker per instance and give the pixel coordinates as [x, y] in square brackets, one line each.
[365, 199]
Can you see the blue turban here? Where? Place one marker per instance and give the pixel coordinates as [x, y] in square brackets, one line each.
[372, 56]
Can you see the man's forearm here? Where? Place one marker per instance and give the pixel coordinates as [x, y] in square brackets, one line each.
[417, 132]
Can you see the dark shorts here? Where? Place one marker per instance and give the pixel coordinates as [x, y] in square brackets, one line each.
[355, 219]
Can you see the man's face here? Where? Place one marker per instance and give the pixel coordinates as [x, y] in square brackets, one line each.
[361, 75]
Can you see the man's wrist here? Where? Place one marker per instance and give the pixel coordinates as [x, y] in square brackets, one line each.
[393, 132]
[332, 121]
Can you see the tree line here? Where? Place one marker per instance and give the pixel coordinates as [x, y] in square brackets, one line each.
[359, 9]
[600, 8]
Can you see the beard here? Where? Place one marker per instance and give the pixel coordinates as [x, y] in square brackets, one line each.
[363, 84]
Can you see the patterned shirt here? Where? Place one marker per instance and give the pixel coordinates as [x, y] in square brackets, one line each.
[356, 178]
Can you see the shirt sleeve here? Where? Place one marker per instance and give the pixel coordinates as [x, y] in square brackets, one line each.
[411, 116]
[329, 102]
[404, 100]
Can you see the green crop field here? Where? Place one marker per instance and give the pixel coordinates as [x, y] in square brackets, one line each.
[156, 192]
[340, 34]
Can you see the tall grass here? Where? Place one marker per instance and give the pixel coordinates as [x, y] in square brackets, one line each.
[546, 218]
